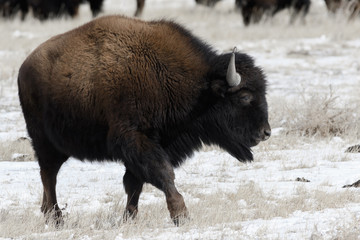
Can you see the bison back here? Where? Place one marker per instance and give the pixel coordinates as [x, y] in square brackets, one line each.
[77, 86]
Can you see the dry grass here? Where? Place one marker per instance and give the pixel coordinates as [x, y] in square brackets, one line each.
[337, 158]
[301, 165]
[214, 212]
[353, 149]
[317, 115]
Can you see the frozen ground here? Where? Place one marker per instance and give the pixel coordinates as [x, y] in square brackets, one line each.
[314, 77]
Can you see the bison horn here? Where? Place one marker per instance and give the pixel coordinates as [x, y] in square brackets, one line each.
[233, 78]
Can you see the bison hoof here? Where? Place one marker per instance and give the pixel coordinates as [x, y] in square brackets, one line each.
[181, 219]
[129, 215]
[54, 218]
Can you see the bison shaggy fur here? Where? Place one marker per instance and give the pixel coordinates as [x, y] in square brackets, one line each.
[146, 94]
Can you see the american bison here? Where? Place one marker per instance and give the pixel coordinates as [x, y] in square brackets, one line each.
[253, 10]
[9, 8]
[95, 6]
[141, 3]
[44, 9]
[333, 5]
[350, 8]
[209, 3]
[146, 94]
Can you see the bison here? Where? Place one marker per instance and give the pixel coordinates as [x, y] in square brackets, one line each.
[253, 10]
[141, 3]
[44, 9]
[139, 7]
[333, 5]
[9, 8]
[147, 94]
[95, 6]
[209, 3]
[350, 8]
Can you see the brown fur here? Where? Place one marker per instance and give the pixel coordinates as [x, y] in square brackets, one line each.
[114, 43]
[144, 93]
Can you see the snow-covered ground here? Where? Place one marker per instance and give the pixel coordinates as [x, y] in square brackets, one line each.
[226, 199]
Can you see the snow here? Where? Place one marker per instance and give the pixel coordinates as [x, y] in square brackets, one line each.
[81, 185]
[307, 58]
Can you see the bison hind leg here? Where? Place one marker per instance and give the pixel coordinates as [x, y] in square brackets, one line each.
[49, 205]
[133, 188]
[50, 161]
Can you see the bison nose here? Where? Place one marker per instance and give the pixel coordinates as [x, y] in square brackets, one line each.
[267, 134]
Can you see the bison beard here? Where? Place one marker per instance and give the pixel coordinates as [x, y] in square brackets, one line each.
[147, 94]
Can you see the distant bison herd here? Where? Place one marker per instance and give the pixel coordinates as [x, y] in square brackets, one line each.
[252, 10]
[44, 9]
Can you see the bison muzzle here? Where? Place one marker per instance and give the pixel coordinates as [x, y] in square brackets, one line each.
[147, 94]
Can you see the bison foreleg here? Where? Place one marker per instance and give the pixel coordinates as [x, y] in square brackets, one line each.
[176, 205]
[148, 162]
[162, 176]
[133, 187]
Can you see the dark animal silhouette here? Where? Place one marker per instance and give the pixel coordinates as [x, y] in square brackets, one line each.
[139, 7]
[350, 8]
[95, 6]
[333, 5]
[9, 8]
[209, 3]
[70, 7]
[253, 10]
[147, 94]
[141, 3]
[44, 9]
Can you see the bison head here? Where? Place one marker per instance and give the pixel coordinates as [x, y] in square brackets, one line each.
[239, 117]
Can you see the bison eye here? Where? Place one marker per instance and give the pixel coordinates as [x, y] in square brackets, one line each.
[246, 98]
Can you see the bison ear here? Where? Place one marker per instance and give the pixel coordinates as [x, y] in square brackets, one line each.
[219, 87]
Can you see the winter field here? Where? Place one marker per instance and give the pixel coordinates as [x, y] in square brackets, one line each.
[292, 190]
